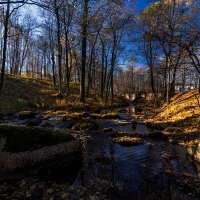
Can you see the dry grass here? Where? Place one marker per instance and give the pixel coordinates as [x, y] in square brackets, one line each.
[22, 93]
[183, 111]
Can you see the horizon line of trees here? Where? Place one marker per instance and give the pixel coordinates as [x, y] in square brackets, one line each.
[84, 42]
[72, 40]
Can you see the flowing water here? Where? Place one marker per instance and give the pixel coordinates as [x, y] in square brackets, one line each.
[155, 170]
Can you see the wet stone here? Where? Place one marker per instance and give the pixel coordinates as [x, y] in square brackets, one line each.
[128, 141]
[33, 122]
[134, 124]
[104, 130]
[26, 114]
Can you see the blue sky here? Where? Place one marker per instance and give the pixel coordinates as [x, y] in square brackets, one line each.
[141, 4]
[132, 47]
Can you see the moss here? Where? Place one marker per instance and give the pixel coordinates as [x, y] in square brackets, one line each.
[19, 139]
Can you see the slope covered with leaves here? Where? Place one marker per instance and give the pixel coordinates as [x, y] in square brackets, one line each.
[183, 112]
[22, 93]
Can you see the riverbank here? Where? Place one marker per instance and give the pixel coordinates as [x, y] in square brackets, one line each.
[21, 93]
[180, 121]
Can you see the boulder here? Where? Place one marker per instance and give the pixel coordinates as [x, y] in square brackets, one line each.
[17, 165]
[25, 150]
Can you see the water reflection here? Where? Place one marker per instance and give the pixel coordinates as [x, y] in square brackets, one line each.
[152, 169]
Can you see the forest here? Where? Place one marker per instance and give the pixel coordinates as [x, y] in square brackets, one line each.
[99, 99]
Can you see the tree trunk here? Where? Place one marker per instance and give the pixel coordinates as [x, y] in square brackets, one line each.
[84, 50]
[59, 48]
[5, 45]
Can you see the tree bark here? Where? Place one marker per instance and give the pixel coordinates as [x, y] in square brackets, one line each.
[56, 9]
[84, 51]
[5, 45]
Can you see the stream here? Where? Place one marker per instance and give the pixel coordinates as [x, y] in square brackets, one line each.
[153, 170]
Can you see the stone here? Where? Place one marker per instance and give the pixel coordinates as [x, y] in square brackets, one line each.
[110, 116]
[155, 135]
[26, 114]
[104, 130]
[64, 195]
[122, 111]
[47, 125]
[73, 116]
[128, 141]
[172, 130]
[193, 150]
[2, 143]
[86, 115]
[50, 191]
[33, 122]
[97, 111]
[32, 187]
[168, 155]
[94, 197]
[85, 125]
[134, 124]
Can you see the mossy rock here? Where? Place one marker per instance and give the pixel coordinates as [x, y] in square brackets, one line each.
[72, 116]
[22, 138]
[172, 130]
[128, 141]
[26, 114]
[110, 116]
[85, 125]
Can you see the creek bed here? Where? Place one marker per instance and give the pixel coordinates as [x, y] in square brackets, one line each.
[152, 170]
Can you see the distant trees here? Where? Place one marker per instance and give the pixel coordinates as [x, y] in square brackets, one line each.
[170, 35]
[73, 40]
